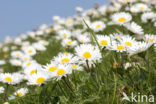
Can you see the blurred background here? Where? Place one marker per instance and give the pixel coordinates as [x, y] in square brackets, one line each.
[20, 16]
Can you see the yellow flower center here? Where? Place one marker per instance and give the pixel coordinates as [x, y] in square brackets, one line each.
[51, 29]
[142, 8]
[44, 43]
[29, 63]
[119, 36]
[40, 80]
[98, 26]
[25, 58]
[16, 63]
[69, 42]
[61, 72]
[120, 47]
[74, 66]
[104, 42]
[9, 79]
[64, 34]
[66, 53]
[53, 68]
[69, 21]
[87, 55]
[33, 71]
[5, 56]
[19, 94]
[65, 60]
[128, 43]
[30, 51]
[150, 40]
[17, 55]
[121, 19]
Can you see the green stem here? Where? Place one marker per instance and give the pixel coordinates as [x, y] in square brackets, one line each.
[61, 89]
[114, 94]
[67, 84]
[6, 93]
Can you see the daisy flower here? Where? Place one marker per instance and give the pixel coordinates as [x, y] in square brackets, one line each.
[145, 17]
[14, 78]
[141, 46]
[43, 42]
[51, 69]
[29, 63]
[83, 38]
[119, 47]
[142, 7]
[32, 69]
[39, 47]
[104, 41]
[29, 50]
[77, 67]
[98, 26]
[79, 9]
[116, 36]
[69, 22]
[2, 62]
[88, 52]
[133, 27]
[16, 54]
[121, 18]
[38, 78]
[64, 34]
[16, 62]
[134, 9]
[66, 58]
[68, 42]
[25, 58]
[128, 41]
[21, 92]
[150, 38]
[63, 70]
[2, 90]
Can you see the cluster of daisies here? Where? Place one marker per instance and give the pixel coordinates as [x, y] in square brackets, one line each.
[73, 34]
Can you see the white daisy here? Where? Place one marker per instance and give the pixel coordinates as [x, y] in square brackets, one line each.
[32, 69]
[29, 50]
[63, 70]
[103, 40]
[66, 58]
[38, 78]
[21, 92]
[88, 52]
[39, 46]
[68, 42]
[142, 7]
[134, 28]
[121, 18]
[14, 78]
[16, 62]
[150, 38]
[16, 54]
[64, 34]
[2, 90]
[98, 26]
[145, 17]
[83, 38]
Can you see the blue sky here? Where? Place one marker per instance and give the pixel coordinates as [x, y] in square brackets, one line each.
[20, 16]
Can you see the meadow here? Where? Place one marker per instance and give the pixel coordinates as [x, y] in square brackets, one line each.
[98, 56]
